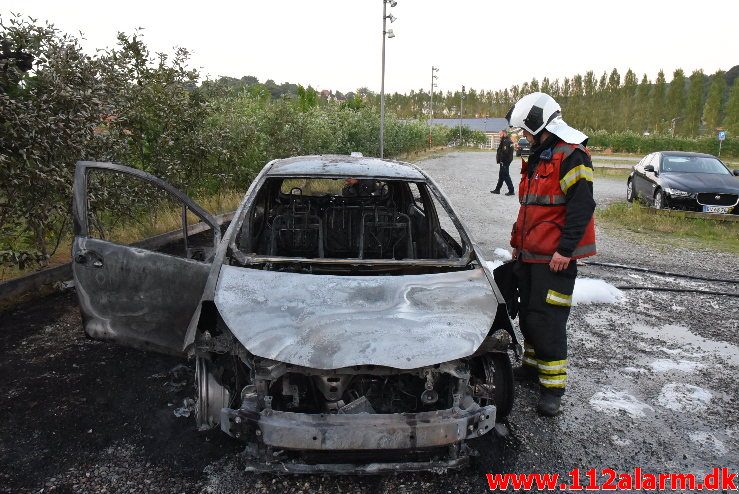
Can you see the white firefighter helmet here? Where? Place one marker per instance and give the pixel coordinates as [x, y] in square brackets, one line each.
[538, 111]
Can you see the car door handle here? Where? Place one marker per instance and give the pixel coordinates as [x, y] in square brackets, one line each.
[89, 258]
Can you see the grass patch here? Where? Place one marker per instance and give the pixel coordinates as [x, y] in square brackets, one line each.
[713, 234]
[613, 172]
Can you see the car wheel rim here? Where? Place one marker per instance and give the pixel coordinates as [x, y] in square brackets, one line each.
[629, 190]
[658, 200]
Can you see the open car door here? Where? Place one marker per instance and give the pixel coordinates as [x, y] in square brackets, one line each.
[132, 294]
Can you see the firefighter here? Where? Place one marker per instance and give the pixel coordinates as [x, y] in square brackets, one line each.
[554, 228]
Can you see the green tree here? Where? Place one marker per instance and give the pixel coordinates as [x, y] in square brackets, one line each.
[676, 101]
[731, 113]
[694, 109]
[49, 116]
[307, 98]
[642, 106]
[627, 105]
[712, 108]
[659, 103]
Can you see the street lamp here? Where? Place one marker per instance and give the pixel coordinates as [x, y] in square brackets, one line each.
[431, 103]
[386, 33]
[461, 100]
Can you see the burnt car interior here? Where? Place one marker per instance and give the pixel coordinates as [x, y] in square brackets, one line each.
[331, 219]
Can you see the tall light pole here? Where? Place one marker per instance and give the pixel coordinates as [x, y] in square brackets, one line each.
[431, 103]
[461, 100]
[389, 34]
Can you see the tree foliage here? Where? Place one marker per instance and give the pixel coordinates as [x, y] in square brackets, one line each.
[149, 111]
[608, 101]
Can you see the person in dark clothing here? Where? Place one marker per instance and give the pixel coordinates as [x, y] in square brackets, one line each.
[359, 188]
[554, 227]
[503, 157]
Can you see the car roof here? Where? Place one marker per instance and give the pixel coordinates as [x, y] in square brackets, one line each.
[344, 166]
[686, 153]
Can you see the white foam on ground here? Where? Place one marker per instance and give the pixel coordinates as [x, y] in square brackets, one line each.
[665, 365]
[683, 397]
[620, 441]
[503, 253]
[493, 264]
[708, 441]
[682, 337]
[614, 402]
[593, 291]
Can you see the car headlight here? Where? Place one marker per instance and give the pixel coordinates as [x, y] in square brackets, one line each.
[677, 192]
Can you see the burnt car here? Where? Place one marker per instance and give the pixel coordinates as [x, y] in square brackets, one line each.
[345, 321]
[683, 180]
[523, 147]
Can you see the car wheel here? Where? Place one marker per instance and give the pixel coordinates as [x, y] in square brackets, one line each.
[630, 190]
[494, 371]
[211, 396]
[659, 200]
[503, 379]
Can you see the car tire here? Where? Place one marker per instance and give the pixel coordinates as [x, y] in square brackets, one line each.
[659, 199]
[503, 379]
[630, 195]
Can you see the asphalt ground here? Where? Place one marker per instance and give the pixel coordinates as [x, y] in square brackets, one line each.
[652, 383]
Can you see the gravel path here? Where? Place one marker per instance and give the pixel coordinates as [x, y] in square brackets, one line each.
[652, 384]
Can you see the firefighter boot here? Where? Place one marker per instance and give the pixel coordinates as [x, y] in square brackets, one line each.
[549, 404]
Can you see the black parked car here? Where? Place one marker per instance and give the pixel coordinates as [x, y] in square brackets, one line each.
[523, 147]
[681, 180]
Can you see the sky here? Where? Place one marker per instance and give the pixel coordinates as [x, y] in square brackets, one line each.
[482, 44]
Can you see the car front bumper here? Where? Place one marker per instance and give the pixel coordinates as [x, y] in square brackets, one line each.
[690, 203]
[358, 432]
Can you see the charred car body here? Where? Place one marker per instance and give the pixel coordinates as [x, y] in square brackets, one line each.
[345, 322]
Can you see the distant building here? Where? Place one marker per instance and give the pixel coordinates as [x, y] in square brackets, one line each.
[488, 126]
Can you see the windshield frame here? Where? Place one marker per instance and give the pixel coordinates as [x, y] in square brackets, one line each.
[241, 221]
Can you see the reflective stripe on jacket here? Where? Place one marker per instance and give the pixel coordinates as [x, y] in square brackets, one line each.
[543, 197]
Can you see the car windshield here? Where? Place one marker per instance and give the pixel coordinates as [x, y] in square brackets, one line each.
[363, 219]
[693, 164]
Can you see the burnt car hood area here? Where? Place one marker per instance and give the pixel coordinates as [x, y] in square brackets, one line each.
[329, 322]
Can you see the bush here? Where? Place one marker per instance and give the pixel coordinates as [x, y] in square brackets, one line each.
[631, 142]
[148, 112]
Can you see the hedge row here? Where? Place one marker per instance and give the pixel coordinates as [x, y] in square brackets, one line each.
[631, 142]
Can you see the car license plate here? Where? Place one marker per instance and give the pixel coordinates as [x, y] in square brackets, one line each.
[716, 209]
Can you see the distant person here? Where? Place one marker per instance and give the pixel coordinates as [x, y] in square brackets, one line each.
[554, 228]
[359, 188]
[503, 157]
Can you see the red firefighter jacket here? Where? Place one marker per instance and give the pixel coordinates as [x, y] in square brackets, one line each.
[543, 194]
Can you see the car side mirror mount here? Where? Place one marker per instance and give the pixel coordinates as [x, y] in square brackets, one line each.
[736, 173]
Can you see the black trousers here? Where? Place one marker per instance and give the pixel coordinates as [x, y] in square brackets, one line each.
[504, 175]
[546, 298]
